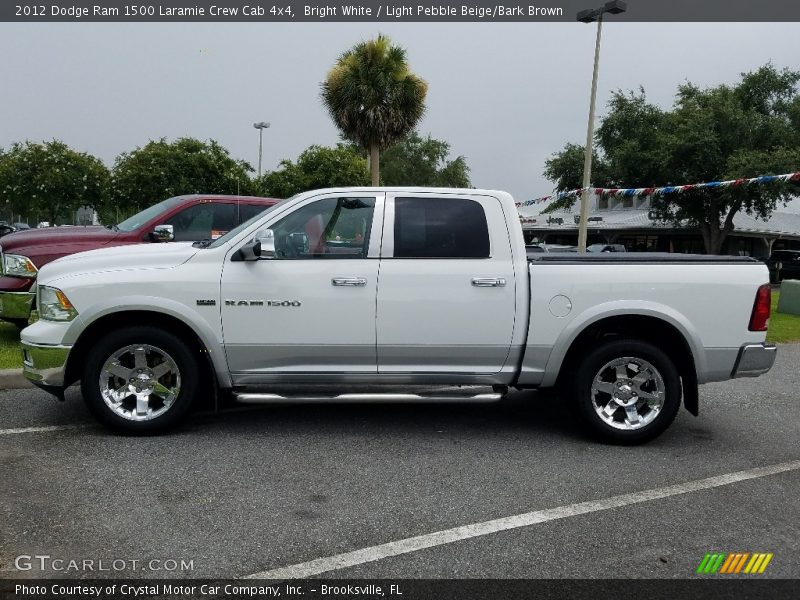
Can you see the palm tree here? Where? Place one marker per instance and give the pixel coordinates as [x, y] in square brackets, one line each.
[373, 97]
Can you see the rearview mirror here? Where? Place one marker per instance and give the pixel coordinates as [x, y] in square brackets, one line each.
[163, 233]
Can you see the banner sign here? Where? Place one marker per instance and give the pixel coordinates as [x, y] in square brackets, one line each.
[671, 189]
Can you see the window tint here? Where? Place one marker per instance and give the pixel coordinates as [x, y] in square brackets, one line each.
[202, 221]
[248, 211]
[329, 228]
[440, 228]
[152, 212]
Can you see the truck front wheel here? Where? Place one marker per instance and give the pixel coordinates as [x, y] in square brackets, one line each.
[626, 391]
[140, 380]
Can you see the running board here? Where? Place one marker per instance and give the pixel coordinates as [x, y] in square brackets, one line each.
[260, 398]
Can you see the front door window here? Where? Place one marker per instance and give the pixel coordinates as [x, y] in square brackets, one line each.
[329, 228]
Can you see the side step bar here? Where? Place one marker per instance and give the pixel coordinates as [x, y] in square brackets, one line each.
[261, 398]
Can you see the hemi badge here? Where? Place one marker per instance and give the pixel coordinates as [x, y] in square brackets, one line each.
[206, 303]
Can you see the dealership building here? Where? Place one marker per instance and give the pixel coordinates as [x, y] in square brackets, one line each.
[629, 221]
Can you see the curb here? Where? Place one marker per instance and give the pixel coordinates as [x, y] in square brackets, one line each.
[13, 379]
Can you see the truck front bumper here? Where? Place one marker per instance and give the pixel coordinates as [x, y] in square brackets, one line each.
[754, 360]
[16, 305]
[45, 366]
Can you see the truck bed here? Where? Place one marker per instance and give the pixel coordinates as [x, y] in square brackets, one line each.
[707, 299]
[638, 258]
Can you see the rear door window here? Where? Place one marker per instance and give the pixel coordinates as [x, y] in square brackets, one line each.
[440, 228]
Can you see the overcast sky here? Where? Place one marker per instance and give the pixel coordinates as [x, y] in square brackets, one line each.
[504, 95]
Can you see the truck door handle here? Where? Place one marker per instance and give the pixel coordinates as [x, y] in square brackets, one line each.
[488, 281]
[353, 281]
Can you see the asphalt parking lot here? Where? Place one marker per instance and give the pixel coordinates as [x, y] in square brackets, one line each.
[263, 488]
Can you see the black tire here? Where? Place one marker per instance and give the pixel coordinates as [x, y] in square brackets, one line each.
[586, 404]
[160, 340]
[19, 323]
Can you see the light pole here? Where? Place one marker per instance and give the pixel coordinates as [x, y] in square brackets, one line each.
[614, 7]
[261, 126]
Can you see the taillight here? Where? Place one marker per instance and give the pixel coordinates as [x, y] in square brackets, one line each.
[759, 318]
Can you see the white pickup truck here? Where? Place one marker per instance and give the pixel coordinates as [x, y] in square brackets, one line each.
[360, 293]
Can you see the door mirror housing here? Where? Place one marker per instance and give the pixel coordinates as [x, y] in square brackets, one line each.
[163, 233]
[262, 246]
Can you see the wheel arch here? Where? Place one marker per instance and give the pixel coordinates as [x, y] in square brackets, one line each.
[105, 321]
[659, 331]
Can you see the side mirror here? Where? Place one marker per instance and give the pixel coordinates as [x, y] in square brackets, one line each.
[262, 246]
[163, 233]
[266, 238]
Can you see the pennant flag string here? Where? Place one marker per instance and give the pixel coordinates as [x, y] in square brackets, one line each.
[670, 189]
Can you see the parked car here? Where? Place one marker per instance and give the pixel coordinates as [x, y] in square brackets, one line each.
[606, 248]
[784, 264]
[272, 307]
[534, 249]
[5, 229]
[21, 226]
[190, 218]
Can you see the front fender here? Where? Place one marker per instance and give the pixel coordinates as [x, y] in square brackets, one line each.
[211, 339]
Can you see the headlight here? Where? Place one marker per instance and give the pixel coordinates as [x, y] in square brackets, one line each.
[53, 305]
[18, 265]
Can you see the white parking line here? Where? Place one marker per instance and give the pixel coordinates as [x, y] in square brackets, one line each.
[38, 429]
[448, 536]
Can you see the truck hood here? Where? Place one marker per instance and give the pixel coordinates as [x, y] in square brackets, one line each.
[20, 241]
[118, 258]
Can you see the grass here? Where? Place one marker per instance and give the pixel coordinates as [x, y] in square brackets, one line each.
[10, 353]
[783, 329]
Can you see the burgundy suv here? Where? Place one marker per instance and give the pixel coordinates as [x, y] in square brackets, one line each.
[191, 218]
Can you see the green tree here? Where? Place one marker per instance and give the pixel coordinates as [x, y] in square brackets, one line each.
[374, 98]
[50, 181]
[415, 160]
[725, 132]
[162, 169]
[316, 167]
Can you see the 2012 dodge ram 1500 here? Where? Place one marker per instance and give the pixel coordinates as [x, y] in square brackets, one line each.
[361, 289]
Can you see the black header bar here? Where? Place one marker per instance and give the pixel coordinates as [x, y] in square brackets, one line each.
[538, 11]
[704, 587]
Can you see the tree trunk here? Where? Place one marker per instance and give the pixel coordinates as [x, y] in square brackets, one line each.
[374, 164]
[714, 235]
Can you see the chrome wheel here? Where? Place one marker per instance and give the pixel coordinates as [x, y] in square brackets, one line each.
[140, 382]
[628, 393]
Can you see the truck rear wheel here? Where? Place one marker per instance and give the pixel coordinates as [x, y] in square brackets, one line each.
[140, 380]
[626, 391]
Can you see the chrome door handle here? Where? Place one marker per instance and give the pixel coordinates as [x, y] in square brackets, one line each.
[488, 281]
[353, 281]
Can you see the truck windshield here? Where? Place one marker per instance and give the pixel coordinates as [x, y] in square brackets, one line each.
[236, 230]
[136, 221]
